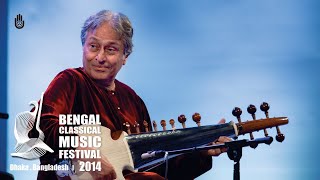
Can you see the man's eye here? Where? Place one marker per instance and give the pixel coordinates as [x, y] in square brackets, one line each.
[93, 47]
[112, 50]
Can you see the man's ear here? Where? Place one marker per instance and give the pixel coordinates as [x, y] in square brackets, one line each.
[125, 60]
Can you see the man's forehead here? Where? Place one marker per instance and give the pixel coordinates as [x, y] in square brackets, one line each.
[92, 37]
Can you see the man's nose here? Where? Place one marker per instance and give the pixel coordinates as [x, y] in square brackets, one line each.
[101, 57]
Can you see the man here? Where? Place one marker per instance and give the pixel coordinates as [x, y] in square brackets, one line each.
[93, 89]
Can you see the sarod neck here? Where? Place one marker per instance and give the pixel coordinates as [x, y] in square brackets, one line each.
[174, 139]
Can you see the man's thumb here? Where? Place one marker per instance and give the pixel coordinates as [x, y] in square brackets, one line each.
[222, 121]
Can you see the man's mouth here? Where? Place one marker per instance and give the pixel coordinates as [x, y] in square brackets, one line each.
[101, 68]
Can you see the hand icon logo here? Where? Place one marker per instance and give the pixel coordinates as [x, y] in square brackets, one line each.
[18, 22]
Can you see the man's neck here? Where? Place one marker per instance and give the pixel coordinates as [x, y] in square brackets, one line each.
[111, 87]
[108, 85]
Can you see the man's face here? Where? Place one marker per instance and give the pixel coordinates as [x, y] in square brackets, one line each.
[103, 54]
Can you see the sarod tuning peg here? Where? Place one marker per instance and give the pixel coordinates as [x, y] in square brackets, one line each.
[145, 124]
[196, 118]
[171, 121]
[137, 126]
[127, 126]
[252, 110]
[154, 124]
[163, 124]
[265, 107]
[182, 119]
[237, 113]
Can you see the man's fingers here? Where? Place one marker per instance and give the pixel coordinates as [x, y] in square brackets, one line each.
[214, 152]
[222, 121]
[223, 139]
[220, 140]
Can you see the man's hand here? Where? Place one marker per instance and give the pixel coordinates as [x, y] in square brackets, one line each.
[220, 140]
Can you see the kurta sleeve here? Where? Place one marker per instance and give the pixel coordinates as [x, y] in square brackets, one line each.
[58, 99]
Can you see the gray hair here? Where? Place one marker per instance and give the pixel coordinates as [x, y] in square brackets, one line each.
[118, 21]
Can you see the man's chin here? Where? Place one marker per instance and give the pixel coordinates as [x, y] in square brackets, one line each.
[99, 77]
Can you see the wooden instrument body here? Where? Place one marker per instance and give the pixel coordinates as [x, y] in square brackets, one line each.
[116, 151]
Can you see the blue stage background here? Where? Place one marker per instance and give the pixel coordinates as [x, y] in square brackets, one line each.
[190, 56]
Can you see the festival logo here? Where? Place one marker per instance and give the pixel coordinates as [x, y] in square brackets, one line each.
[26, 147]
